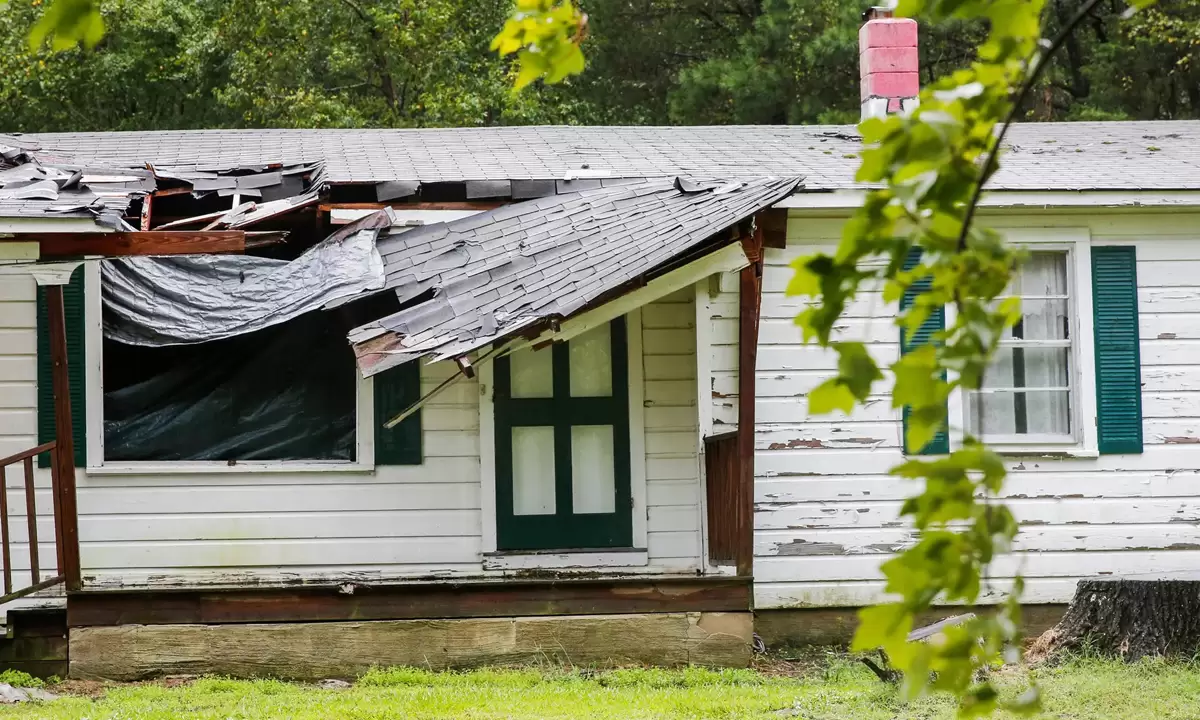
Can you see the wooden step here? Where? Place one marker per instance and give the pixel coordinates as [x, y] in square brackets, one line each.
[37, 622]
[35, 642]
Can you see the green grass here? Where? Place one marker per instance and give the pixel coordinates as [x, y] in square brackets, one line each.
[16, 678]
[832, 690]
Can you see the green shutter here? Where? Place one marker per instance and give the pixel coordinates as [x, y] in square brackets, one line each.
[1118, 358]
[395, 391]
[936, 322]
[73, 310]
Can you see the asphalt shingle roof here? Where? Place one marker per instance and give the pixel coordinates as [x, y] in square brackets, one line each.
[1162, 155]
[497, 272]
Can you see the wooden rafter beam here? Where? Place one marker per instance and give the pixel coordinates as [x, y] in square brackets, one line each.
[117, 244]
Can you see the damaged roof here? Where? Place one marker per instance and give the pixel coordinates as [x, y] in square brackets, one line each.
[488, 276]
[1162, 155]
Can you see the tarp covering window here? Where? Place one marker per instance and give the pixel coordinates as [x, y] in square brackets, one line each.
[287, 392]
[187, 299]
[235, 358]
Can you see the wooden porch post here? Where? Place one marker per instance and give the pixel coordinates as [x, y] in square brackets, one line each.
[64, 455]
[749, 301]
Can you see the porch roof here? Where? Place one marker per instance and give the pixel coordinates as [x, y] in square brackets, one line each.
[476, 280]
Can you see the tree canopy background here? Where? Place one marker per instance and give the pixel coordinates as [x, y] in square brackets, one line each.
[165, 64]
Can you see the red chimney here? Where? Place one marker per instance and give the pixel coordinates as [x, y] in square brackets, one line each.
[888, 64]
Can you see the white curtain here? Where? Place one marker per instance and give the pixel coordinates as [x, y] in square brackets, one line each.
[1042, 286]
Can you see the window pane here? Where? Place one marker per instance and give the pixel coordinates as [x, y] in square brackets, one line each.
[1042, 320]
[591, 363]
[532, 373]
[1044, 273]
[1029, 367]
[593, 479]
[533, 470]
[1020, 413]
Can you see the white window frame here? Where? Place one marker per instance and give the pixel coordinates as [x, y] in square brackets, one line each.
[94, 417]
[1084, 440]
[636, 556]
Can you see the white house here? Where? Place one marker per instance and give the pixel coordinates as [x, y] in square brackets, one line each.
[557, 324]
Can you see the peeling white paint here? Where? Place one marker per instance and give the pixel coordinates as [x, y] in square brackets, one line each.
[827, 513]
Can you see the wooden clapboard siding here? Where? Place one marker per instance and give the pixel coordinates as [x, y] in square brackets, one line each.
[195, 529]
[827, 513]
[18, 364]
[672, 466]
[400, 520]
[18, 430]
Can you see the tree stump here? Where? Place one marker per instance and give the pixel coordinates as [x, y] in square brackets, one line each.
[1128, 618]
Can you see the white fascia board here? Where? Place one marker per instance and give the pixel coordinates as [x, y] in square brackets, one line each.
[728, 259]
[853, 198]
[49, 223]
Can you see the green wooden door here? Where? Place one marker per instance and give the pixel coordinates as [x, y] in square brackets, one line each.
[562, 445]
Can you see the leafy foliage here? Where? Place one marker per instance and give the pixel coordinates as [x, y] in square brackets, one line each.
[68, 23]
[253, 63]
[18, 678]
[546, 36]
[165, 64]
[932, 164]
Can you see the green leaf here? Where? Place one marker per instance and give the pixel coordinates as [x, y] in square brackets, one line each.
[881, 626]
[829, 396]
[532, 68]
[924, 423]
[856, 368]
[806, 321]
[545, 37]
[566, 60]
[68, 23]
[804, 281]
[917, 378]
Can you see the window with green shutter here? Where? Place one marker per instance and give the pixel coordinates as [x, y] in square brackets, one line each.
[73, 300]
[1118, 358]
[396, 390]
[562, 445]
[1028, 396]
[936, 322]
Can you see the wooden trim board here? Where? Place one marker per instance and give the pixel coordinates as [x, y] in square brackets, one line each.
[511, 598]
[314, 651]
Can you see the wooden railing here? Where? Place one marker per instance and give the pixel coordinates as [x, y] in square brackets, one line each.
[730, 509]
[62, 490]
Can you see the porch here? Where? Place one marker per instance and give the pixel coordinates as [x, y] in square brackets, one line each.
[676, 608]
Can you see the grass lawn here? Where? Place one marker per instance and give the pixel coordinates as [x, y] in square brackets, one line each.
[836, 689]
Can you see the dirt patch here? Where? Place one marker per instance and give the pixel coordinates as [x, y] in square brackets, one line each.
[93, 689]
[796, 662]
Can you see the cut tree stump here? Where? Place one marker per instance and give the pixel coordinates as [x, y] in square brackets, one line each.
[1127, 618]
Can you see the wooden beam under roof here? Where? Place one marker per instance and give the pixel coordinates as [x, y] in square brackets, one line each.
[56, 245]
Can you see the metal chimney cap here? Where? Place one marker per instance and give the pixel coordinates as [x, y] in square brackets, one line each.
[886, 10]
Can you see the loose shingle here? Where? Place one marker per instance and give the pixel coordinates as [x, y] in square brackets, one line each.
[531, 271]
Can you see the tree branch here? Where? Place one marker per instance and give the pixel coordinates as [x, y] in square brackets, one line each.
[386, 82]
[989, 165]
